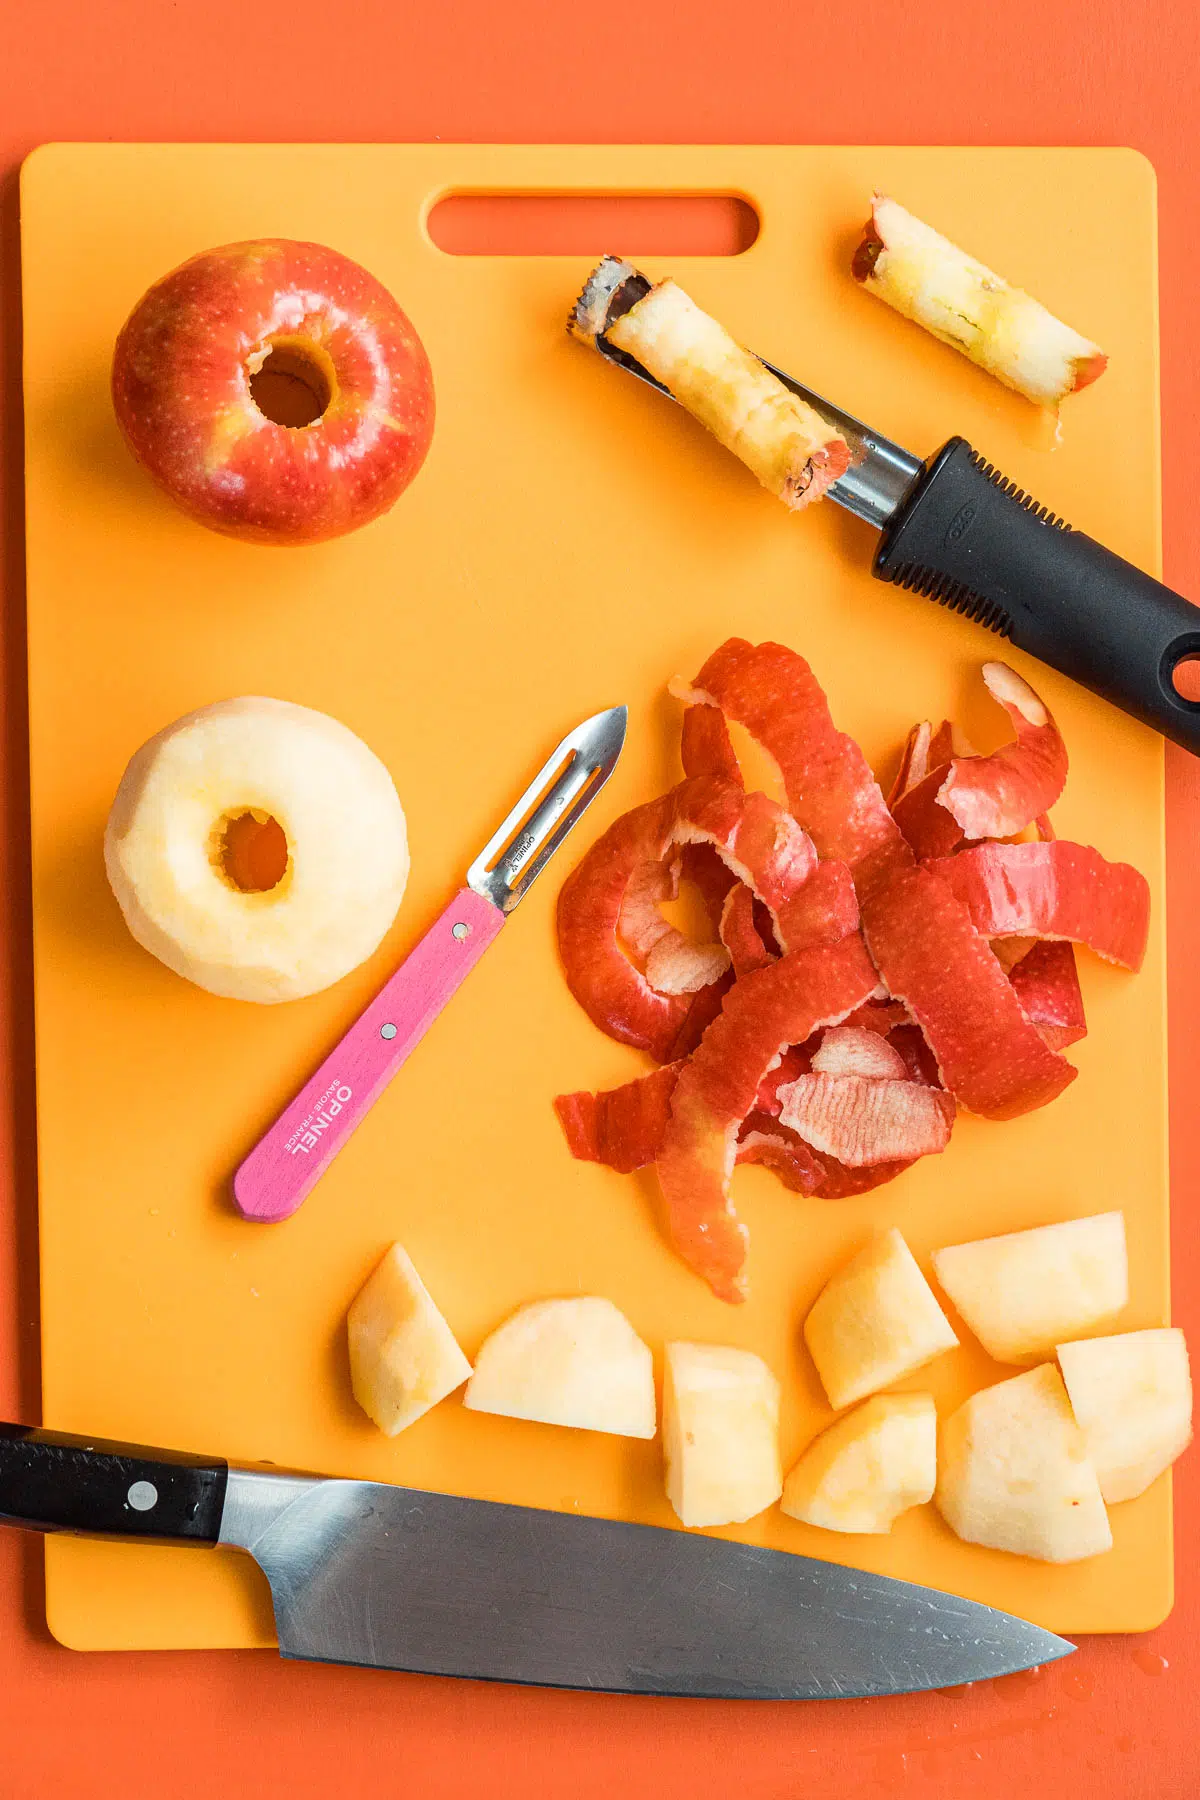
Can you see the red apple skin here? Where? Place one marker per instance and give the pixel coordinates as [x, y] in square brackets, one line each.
[181, 390]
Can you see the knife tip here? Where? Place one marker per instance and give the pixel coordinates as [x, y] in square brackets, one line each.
[1036, 1647]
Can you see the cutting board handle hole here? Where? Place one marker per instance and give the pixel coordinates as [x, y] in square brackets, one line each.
[593, 224]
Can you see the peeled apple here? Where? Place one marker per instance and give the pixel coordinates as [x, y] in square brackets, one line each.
[342, 866]
[875, 1321]
[868, 1467]
[1015, 1473]
[720, 1434]
[1132, 1399]
[567, 1362]
[404, 1357]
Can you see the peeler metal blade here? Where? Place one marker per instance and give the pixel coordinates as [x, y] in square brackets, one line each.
[557, 797]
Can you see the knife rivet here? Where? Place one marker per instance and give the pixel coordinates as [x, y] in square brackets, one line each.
[461, 930]
[387, 1031]
[143, 1496]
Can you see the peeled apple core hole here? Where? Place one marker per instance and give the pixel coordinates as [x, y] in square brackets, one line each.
[291, 382]
[252, 851]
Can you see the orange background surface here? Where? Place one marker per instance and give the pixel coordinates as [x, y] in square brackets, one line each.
[1115, 1720]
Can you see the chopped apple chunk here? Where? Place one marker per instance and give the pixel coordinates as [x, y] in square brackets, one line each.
[576, 1362]
[868, 1467]
[404, 1357]
[720, 1434]
[1132, 1399]
[1028, 1291]
[1015, 1473]
[875, 1321]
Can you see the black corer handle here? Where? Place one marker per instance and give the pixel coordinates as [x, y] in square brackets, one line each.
[974, 541]
[51, 1481]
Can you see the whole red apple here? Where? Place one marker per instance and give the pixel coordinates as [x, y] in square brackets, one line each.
[275, 390]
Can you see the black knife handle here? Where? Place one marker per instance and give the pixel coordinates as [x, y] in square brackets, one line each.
[967, 537]
[51, 1481]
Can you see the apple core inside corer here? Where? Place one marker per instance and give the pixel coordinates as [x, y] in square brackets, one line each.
[250, 849]
[292, 381]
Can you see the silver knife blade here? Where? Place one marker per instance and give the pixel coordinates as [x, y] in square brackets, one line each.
[391, 1577]
[880, 473]
[557, 797]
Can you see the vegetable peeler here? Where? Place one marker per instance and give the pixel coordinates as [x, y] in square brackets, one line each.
[286, 1164]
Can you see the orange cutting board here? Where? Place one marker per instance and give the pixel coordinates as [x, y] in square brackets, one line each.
[573, 541]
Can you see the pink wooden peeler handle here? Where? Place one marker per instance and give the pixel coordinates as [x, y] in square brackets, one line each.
[294, 1154]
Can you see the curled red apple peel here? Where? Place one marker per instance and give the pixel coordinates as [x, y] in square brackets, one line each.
[624, 1127]
[1053, 890]
[1046, 983]
[955, 1020]
[942, 798]
[740, 935]
[608, 905]
[763, 1014]
[921, 936]
[854, 1050]
[863, 1119]
[995, 796]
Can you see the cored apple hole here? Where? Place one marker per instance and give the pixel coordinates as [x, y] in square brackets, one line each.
[253, 852]
[292, 387]
[1185, 679]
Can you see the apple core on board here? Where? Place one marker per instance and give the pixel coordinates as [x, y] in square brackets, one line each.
[275, 390]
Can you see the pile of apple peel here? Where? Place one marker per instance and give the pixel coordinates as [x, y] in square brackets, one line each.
[874, 963]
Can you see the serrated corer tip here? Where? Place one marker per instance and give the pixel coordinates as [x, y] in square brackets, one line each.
[613, 286]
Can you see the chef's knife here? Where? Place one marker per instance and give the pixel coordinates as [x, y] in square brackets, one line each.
[395, 1578]
[287, 1163]
[955, 530]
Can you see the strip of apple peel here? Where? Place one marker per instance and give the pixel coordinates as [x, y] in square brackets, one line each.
[678, 965]
[739, 933]
[793, 451]
[930, 955]
[763, 1014]
[962, 302]
[608, 901]
[962, 795]
[801, 1169]
[853, 1050]
[861, 1120]
[1046, 982]
[622, 1127]
[914, 762]
[673, 963]
[1000, 794]
[1055, 890]
[611, 989]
